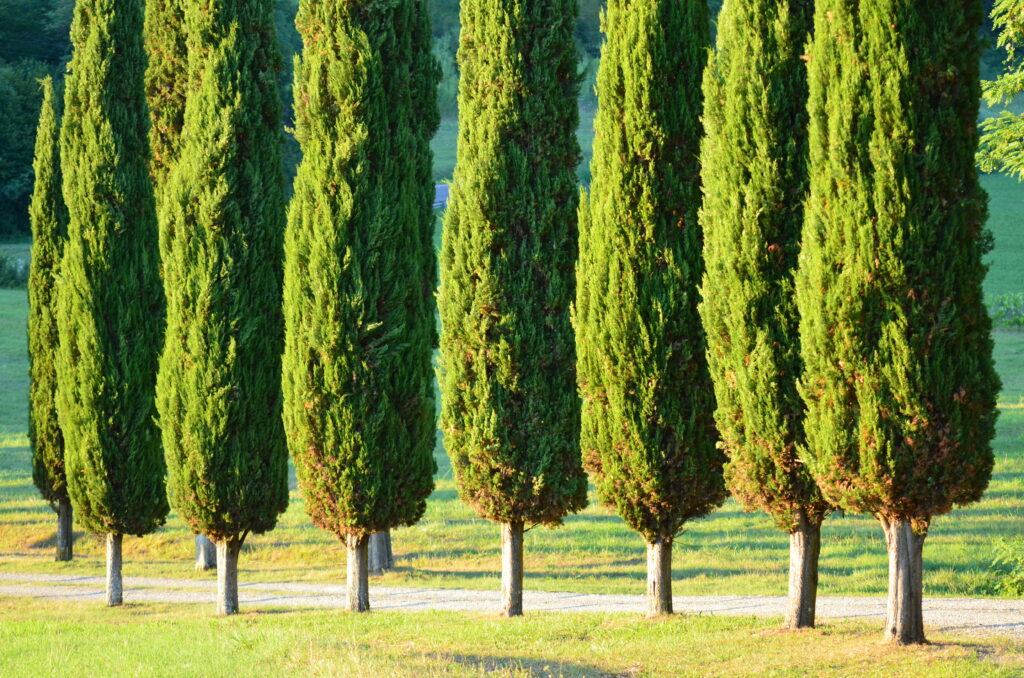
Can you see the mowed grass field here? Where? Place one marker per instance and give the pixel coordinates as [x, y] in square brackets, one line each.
[730, 552]
[43, 639]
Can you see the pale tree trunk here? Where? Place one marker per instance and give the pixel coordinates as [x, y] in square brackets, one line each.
[512, 569]
[381, 557]
[659, 577]
[65, 537]
[904, 619]
[227, 575]
[115, 590]
[804, 549]
[206, 554]
[358, 583]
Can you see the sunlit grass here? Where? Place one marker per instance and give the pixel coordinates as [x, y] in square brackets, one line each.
[42, 639]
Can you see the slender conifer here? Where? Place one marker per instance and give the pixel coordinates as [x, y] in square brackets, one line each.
[166, 90]
[648, 433]
[221, 228]
[49, 221]
[109, 303]
[898, 376]
[510, 413]
[360, 272]
[754, 166]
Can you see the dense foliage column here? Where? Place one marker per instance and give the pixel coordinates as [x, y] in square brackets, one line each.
[648, 433]
[48, 218]
[898, 382]
[360, 272]
[754, 160]
[510, 413]
[109, 303]
[166, 91]
[221, 229]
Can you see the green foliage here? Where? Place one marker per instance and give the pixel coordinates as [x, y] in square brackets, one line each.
[221, 238]
[49, 230]
[899, 380]
[755, 182]
[648, 434]
[1008, 310]
[14, 272]
[360, 266]
[109, 305]
[1001, 148]
[166, 85]
[510, 414]
[1010, 559]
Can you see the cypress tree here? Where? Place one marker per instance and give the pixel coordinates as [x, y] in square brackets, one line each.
[109, 302]
[166, 84]
[754, 160]
[166, 89]
[221, 228]
[510, 414]
[48, 218]
[648, 433]
[898, 376]
[360, 272]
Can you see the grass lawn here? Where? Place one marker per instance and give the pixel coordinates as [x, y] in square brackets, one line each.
[176, 641]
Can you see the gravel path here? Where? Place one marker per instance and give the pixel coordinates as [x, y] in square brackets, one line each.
[959, 615]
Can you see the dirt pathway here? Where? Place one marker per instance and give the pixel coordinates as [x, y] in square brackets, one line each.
[956, 615]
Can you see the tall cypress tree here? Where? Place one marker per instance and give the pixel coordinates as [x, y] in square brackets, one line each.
[360, 272]
[754, 160]
[510, 414]
[648, 434]
[109, 302]
[166, 84]
[48, 218]
[221, 228]
[166, 91]
[898, 376]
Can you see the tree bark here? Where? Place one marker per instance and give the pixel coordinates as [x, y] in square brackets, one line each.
[115, 590]
[904, 621]
[512, 569]
[381, 557]
[358, 584]
[804, 549]
[206, 554]
[65, 536]
[227, 575]
[659, 577]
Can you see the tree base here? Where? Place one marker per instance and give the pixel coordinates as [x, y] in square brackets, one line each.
[512, 569]
[115, 588]
[804, 550]
[904, 620]
[358, 583]
[659, 578]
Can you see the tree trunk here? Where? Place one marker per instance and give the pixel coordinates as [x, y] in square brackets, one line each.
[206, 554]
[381, 557]
[904, 621]
[115, 590]
[358, 584]
[804, 549]
[227, 575]
[65, 536]
[512, 569]
[659, 577]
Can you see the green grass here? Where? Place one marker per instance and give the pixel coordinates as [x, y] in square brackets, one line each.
[66, 639]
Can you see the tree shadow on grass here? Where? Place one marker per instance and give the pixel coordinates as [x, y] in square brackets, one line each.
[519, 666]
